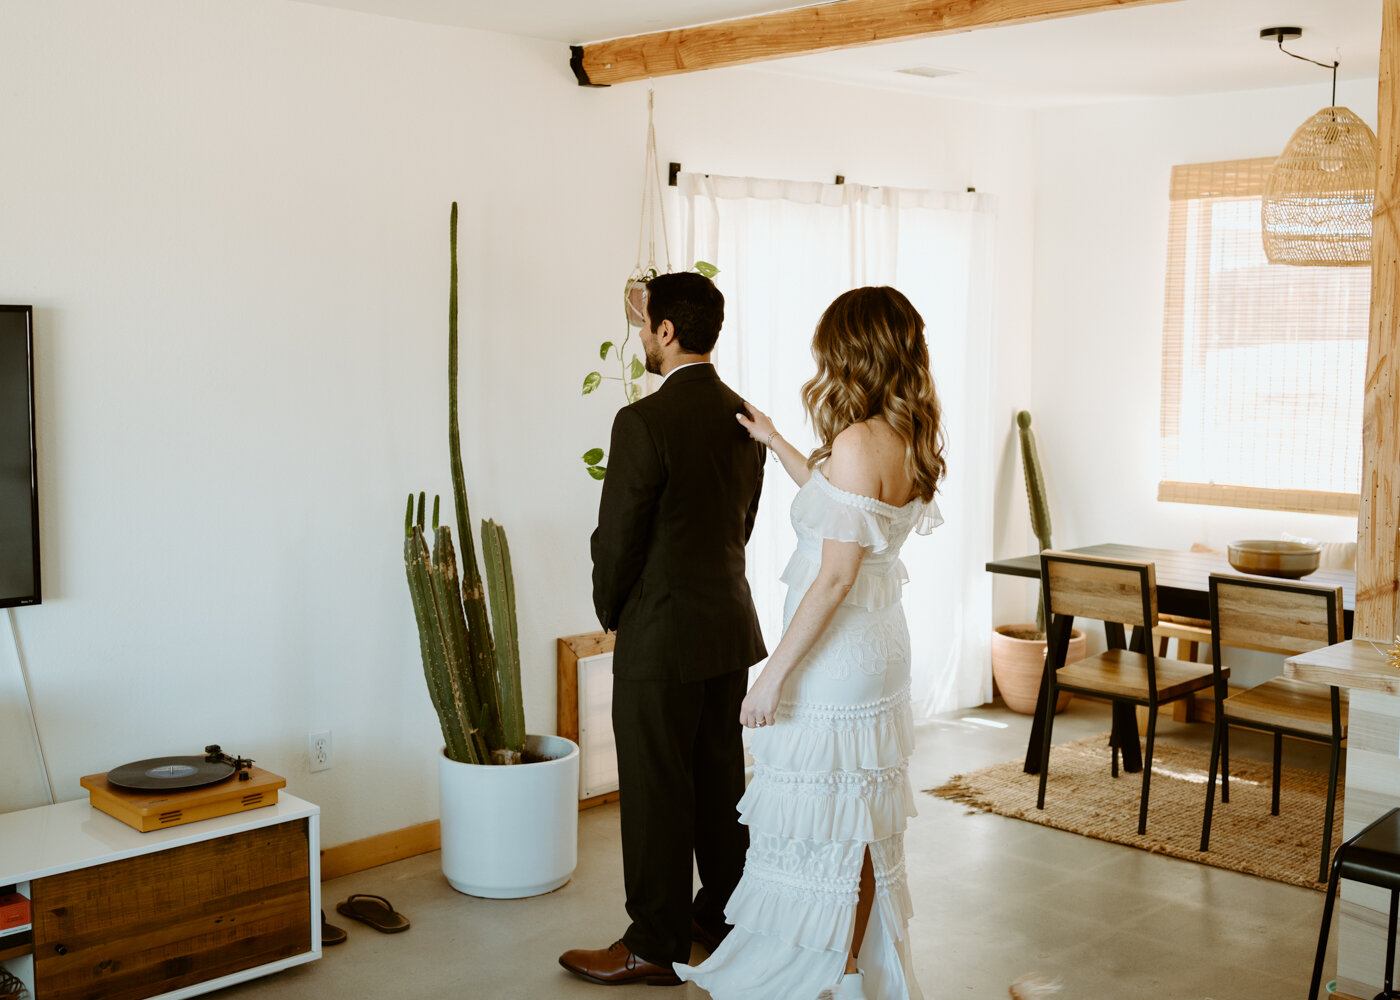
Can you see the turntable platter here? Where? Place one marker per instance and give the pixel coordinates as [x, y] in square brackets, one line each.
[166, 774]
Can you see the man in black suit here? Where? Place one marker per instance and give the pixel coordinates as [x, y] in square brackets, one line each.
[677, 508]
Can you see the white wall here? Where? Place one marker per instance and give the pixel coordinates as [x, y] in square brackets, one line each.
[231, 217]
[1101, 183]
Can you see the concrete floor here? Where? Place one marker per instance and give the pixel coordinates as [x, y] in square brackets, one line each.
[995, 898]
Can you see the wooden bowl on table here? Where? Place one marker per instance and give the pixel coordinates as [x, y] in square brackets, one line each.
[1266, 557]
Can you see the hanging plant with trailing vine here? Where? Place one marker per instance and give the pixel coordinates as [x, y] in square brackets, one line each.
[630, 369]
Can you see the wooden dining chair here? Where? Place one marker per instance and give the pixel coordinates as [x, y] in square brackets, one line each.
[1110, 590]
[1190, 634]
[1276, 616]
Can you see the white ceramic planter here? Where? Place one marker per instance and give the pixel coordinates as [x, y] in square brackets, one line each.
[511, 831]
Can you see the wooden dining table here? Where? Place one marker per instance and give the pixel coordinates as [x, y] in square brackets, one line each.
[1183, 589]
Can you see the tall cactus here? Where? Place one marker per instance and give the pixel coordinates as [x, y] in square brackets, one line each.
[442, 636]
[1035, 493]
[474, 687]
[483, 654]
[501, 582]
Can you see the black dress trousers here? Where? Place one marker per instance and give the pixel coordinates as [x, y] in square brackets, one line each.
[681, 765]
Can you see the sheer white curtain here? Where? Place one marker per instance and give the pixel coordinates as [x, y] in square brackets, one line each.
[785, 250]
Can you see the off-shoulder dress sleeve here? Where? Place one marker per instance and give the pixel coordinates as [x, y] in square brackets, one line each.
[842, 516]
[828, 511]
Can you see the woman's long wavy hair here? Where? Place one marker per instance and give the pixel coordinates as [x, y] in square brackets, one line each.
[872, 360]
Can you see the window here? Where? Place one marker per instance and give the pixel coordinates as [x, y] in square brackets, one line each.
[785, 249]
[1262, 364]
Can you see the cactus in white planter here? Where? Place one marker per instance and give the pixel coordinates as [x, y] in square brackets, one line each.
[473, 680]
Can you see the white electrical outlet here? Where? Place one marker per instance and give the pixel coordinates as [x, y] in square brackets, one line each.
[318, 748]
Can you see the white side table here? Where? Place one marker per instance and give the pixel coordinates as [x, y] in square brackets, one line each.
[170, 913]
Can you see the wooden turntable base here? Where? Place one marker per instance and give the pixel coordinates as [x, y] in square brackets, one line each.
[147, 811]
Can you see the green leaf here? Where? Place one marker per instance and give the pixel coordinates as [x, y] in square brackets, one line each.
[636, 369]
[634, 392]
[597, 471]
[592, 456]
[603, 351]
[651, 273]
[591, 381]
[706, 268]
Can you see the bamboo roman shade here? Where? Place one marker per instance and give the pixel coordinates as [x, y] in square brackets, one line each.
[1262, 364]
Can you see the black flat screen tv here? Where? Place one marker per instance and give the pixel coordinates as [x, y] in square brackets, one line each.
[19, 480]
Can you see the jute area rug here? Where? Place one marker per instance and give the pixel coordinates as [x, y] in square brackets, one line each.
[1082, 797]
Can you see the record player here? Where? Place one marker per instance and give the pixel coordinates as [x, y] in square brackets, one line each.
[168, 791]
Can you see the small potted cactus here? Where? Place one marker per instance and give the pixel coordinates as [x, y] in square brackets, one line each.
[1018, 651]
[507, 831]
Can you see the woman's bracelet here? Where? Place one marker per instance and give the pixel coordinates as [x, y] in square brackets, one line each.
[770, 440]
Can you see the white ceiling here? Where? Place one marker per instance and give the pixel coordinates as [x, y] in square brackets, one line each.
[1161, 50]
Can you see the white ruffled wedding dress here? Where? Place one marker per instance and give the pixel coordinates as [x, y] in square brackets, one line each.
[830, 779]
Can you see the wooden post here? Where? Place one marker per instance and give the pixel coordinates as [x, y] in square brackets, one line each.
[1378, 524]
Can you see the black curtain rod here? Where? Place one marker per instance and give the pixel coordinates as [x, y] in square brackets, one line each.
[675, 168]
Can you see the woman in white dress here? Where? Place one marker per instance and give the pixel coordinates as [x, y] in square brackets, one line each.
[823, 907]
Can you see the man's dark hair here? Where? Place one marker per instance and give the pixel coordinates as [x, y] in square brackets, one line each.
[692, 303]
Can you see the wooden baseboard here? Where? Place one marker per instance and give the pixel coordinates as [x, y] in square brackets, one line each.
[371, 852]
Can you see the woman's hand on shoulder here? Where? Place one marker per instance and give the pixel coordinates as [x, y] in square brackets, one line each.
[756, 422]
[852, 465]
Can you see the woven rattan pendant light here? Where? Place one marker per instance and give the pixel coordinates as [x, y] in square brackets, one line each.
[1320, 194]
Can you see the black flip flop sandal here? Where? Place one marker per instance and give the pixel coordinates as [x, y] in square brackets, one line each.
[376, 911]
[330, 933]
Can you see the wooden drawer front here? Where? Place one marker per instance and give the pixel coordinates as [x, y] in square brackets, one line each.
[162, 921]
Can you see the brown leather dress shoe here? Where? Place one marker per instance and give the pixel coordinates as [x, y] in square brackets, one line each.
[615, 965]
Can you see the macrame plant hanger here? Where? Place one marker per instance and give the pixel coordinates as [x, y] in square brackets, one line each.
[653, 210]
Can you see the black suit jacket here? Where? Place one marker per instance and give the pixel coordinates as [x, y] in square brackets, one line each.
[678, 506]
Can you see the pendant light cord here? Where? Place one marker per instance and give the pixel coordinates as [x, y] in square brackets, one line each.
[1332, 66]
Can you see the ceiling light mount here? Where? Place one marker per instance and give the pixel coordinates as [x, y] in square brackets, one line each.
[1282, 34]
[1288, 35]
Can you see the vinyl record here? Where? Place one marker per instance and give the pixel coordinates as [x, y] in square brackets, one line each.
[165, 774]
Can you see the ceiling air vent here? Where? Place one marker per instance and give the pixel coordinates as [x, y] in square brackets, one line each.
[926, 71]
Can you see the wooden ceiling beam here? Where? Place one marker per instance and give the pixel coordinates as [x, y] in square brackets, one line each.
[842, 24]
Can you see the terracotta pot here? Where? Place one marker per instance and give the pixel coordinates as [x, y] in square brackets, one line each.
[1018, 661]
[636, 298]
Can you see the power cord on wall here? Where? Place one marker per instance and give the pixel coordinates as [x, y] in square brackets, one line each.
[29, 694]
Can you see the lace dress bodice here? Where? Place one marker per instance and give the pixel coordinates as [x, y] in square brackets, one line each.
[821, 511]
